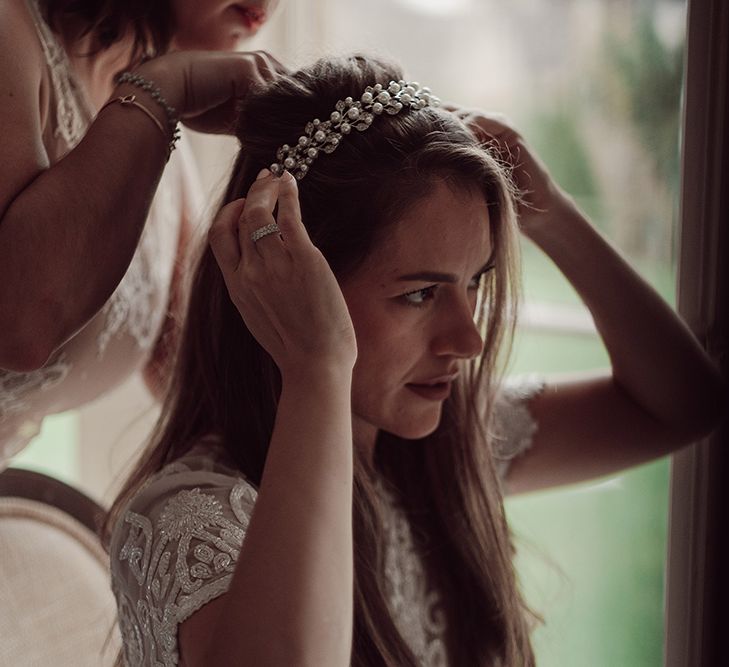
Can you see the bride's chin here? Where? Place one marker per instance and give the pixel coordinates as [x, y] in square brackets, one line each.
[416, 430]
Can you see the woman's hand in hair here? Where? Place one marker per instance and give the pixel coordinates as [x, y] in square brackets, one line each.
[205, 87]
[281, 284]
[540, 197]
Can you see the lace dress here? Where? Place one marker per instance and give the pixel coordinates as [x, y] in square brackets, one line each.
[116, 342]
[176, 544]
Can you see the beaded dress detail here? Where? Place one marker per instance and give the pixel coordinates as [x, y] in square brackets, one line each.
[118, 339]
[176, 543]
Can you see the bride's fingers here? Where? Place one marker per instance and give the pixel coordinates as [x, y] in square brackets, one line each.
[223, 235]
[489, 126]
[258, 216]
[295, 236]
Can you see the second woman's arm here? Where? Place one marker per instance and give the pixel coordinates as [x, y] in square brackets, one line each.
[68, 230]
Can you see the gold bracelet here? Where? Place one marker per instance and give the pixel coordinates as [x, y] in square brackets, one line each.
[131, 100]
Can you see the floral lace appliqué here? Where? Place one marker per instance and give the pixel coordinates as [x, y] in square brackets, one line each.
[514, 427]
[14, 390]
[132, 307]
[415, 606]
[71, 115]
[183, 560]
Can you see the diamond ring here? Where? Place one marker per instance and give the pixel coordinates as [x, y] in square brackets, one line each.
[259, 233]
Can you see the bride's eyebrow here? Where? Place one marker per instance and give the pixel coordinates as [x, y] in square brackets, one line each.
[438, 277]
[429, 276]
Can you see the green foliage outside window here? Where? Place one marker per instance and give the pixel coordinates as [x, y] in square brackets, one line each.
[592, 557]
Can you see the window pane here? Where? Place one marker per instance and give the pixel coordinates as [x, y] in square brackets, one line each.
[54, 451]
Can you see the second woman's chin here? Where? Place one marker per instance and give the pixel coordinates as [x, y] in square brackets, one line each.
[222, 41]
[225, 34]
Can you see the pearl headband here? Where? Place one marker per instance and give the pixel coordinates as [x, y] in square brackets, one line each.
[326, 135]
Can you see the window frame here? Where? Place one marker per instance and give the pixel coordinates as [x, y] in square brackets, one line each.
[696, 583]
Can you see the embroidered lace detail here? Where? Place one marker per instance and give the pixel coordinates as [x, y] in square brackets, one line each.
[415, 606]
[132, 308]
[181, 553]
[513, 427]
[15, 387]
[71, 119]
[179, 562]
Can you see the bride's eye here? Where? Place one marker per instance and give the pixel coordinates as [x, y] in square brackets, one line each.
[478, 279]
[419, 297]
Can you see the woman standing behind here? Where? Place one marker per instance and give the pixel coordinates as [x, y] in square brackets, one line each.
[91, 219]
[325, 483]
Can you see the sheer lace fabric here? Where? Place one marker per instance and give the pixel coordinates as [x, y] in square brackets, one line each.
[513, 427]
[176, 545]
[414, 604]
[175, 550]
[114, 343]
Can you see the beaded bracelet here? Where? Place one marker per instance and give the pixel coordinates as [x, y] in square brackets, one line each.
[156, 93]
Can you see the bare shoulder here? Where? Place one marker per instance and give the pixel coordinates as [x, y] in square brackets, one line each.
[22, 86]
[19, 43]
[22, 63]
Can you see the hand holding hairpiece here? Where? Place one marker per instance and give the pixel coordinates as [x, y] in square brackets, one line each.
[349, 114]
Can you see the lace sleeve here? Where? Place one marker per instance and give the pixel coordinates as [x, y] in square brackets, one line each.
[513, 426]
[173, 550]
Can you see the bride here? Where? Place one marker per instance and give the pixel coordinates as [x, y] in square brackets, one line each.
[325, 485]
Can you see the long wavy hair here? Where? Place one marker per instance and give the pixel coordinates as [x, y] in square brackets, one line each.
[225, 384]
[151, 22]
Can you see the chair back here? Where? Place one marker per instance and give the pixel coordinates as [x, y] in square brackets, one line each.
[56, 604]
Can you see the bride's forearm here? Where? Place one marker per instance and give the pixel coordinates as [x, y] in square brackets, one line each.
[291, 598]
[654, 356]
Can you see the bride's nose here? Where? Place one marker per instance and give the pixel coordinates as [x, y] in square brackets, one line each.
[456, 333]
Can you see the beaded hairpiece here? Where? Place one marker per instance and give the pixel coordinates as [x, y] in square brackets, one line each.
[348, 114]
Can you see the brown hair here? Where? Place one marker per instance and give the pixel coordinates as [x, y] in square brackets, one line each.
[151, 22]
[224, 383]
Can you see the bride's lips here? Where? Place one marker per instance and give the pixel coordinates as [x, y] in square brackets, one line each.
[435, 389]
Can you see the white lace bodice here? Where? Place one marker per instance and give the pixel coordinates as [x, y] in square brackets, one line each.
[414, 603]
[176, 545]
[119, 338]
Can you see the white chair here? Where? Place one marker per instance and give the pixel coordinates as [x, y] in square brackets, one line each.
[56, 606]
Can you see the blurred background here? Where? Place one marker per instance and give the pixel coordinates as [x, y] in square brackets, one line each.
[595, 87]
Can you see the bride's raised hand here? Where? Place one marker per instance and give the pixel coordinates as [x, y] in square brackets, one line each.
[281, 284]
[540, 195]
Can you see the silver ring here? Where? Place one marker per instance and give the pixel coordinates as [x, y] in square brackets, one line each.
[259, 233]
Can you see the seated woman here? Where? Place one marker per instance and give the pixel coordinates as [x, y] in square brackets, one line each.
[325, 484]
